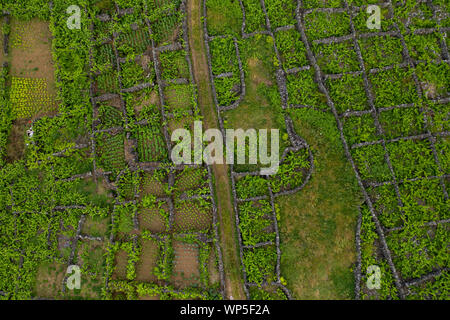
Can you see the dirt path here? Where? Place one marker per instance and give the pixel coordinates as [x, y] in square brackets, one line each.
[228, 241]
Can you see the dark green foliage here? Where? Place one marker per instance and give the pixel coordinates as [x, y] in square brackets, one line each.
[359, 129]
[292, 49]
[393, 87]
[255, 220]
[348, 93]
[337, 57]
[254, 16]
[378, 52]
[302, 90]
[281, 12]
[260, 264]
[291, 172]
[251, 186]
[321, 25]
[174, 65]
[402, 122]
[371, 163]
[412, 159]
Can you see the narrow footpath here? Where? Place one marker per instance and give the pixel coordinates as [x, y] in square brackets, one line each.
[228, 234]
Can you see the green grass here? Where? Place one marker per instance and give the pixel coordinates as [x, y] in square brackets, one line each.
[261, 107]
[224, 17]
[318, 223]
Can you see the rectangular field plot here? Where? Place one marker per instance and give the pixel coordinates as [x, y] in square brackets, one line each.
[336, 57]
[360, 129]
[393, 87]
[174, 65]
[139, 40]
[151, 145]
[223, 17]
[120, 265]
[154, 219]
[424, 201]
[412, 159]
[281, 13]
[251, 186]
[96, 226]
[371, 163]
[31, 98]
[348, 93]
[379, 52]
[193, 215]
[433, 79]
[402, 122]
[124, 221]
[154, 183]
[147, 261]
[49, 280]
[143, 102]
[90, 258]
[107, 82]
[321, 25]
[254, 16]
[111, 151]
[292, 49]
[302, 90]
[260, 264]
[104, 56]
[443, 152]
[137, 71]
[33, 90]
[439, 117]
[386, 205]
[181, 121]
[425, 247]
[179, 98]
[109, 114]
[191, 179]
[256, 222]
[186, 270]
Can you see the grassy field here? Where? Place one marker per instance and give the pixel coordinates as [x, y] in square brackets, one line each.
[318, 223]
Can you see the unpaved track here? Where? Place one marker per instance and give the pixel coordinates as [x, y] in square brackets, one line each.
[228, 240]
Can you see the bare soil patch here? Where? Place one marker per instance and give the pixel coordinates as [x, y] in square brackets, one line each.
[188, 217]
[151, 219]
[214, 276]
[147, 262]
[152, 186]
[30, 51]
[49, 280]
[15, 148]
[121, 261]
[95, 227]
[186, 265]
